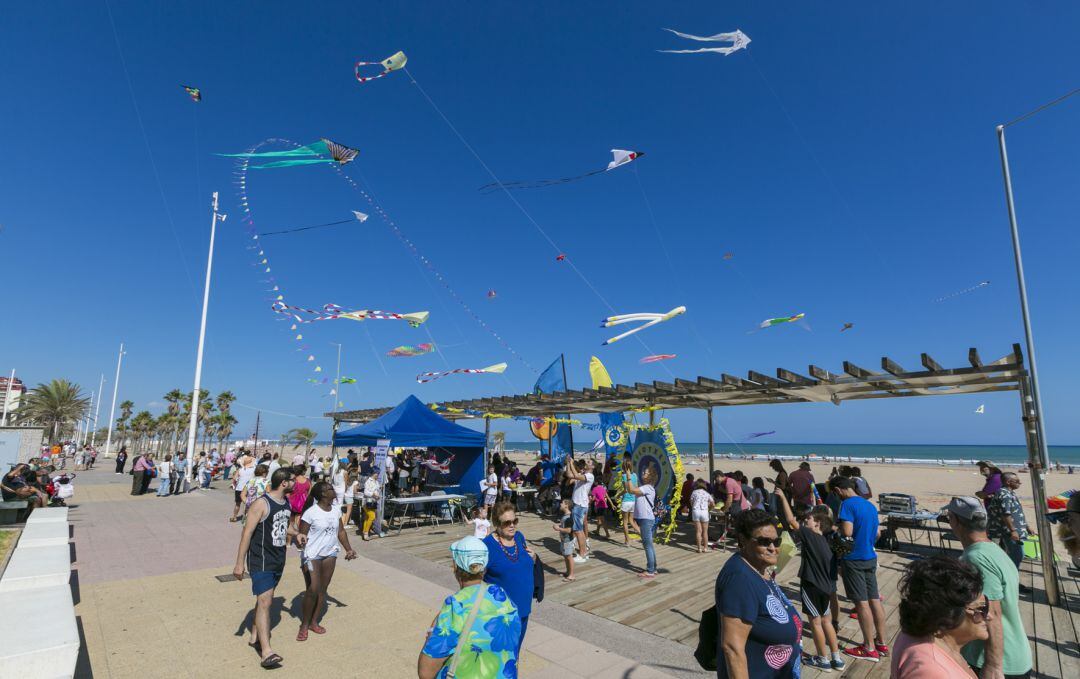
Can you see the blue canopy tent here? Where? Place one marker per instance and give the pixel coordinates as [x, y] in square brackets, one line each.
[413, 425]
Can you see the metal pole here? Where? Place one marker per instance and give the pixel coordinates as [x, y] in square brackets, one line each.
[1040, 427]
[7, 398]
[86, 421]
[565, 386]
[97, 411]
[258, 419]
[1038, 491]
[487, 443]
[112, 408]
[194, 420]
[712, 462]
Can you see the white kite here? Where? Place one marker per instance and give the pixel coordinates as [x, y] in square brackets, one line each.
[738, 40]
[496, 369]
[360, 216]
[980, 410]
[647, 320]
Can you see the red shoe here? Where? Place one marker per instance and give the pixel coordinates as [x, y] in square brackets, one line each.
[318, 629]
[861, 651]
[881, 649]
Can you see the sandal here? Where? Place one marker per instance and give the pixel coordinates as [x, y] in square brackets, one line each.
[569, 579]
[316, 628]
[302, 634]
[271, 661]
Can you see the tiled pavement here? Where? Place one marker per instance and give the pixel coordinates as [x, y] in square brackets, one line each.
[148, 604]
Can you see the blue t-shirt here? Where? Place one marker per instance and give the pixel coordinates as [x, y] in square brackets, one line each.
[547, 472]
[512, 570]
[863, 516]
[772, 648]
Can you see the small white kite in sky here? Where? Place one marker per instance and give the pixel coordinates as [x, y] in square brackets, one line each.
[647, 320]
[738, 40]
[360, 216]
[981, 410]
[496, 369]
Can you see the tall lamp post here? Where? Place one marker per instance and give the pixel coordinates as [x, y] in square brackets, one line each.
[1033, 411]
[193, 423]
[112, 408]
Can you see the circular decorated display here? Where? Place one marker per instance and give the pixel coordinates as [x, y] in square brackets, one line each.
[543, 429]
[650, 455]
[615, 436]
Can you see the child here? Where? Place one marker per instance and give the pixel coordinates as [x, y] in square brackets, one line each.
[490, 487]
[352, 487]
[479, 522]
[253, 488]
[817, 583]
[567, 542]
[600, 503]
[701, 501]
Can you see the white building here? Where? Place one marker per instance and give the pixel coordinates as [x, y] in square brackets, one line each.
[17, 390]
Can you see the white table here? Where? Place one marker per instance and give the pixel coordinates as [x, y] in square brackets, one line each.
[523, 493]
[402, 506]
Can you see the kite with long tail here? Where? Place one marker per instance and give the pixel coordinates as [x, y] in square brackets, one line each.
[769, 322]
[759, 434]
[410, 350]
[737, 38]
[333, 312]
[312, 154]
[496, 369]
[359, 217]
[647, 321]
[655, 358]
[389, 65]
[620, 157]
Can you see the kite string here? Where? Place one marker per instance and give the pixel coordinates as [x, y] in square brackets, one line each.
[375, 351]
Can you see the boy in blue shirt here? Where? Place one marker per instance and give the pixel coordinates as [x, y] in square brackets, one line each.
[858, 519]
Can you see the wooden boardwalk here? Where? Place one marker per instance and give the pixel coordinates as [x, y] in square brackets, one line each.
[671, 605]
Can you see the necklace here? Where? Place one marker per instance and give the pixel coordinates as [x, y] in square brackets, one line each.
[511, 556]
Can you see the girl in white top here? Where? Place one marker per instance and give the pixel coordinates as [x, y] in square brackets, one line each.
[479, 522]
[490, 486]
[701, 501]
[352, 487]
[321, 523]
[164, 468]
[339, 487]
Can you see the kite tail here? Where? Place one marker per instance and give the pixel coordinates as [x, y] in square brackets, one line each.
[291, 163]
[535, 184]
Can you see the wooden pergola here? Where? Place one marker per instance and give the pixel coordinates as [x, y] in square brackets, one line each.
[853, 383]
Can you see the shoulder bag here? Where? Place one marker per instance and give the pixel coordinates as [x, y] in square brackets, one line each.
[464, 634]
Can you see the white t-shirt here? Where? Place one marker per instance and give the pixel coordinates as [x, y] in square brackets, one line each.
[481, 528]
[272, 467]
[581, 491]
[163, 470]
[371, 488]
[322, 536]
[244, 475]
[644, 503]
[350, 490]
[699, 500]
[490, 486]
[339, 482]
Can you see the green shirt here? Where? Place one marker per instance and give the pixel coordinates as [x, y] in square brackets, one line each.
[1001, 583]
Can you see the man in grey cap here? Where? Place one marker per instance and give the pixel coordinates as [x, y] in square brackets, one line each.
[1006, 652]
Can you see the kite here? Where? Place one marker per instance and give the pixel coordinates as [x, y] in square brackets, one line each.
[769, 322]
[620, 157]
[560, 258]
[981, 410]
[332, 312]
[304, 155]
[963, 292]
[193, 92]
[491, 294]
[409, 350]
[496, 369]
[347, 380]
[758, 434]
[436, 466]
[360, 217]
[729, 255]
[648, 320]
[389, 64]
[656, 357]
[847, 326]
[738, 40]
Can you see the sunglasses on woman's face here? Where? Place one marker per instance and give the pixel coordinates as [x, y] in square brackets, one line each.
[511, 522]
[982, 610]
[765, 542]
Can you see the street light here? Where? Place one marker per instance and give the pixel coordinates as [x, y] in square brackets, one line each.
[1032, 398]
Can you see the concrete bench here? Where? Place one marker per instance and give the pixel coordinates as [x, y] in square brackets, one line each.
[43, 534]
[41, 638]
[48, 514]
[9, 511]
[37, 567]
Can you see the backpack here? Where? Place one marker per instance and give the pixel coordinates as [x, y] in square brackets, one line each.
[708, 637]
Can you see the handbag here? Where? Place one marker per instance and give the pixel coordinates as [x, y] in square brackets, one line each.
[538, 579]
[708, 637]
[464, 634]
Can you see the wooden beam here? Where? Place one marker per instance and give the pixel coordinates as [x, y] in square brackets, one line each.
[973, 358]
[731, 380]
[755, 376]
[822, 374]
[931, 365]
[794, 378]
[855, 371]
[890, 366]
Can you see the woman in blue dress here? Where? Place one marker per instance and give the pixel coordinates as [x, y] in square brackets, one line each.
[510, 562]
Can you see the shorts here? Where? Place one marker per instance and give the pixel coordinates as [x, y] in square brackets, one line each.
[264, 581]
[489, 500]
[567, 547]
[815, 603]
[860, 579]
[579, 515]
[236, 496]
[699, 515]
[627, 507]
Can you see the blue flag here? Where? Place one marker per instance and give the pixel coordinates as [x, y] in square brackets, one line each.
[551, 380]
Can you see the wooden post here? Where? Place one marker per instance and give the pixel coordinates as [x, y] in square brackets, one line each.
[1038, 490]
[652, 415]
[712, 461]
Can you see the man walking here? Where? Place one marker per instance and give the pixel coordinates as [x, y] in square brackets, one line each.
[580, 472]
[801, 484]
[858, 520]
[1006, 652]
[262, 546]
[1005, 519]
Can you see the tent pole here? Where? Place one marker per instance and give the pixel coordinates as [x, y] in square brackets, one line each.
[712, 461]
[1038, 490]
[487, 445]
[566, 387]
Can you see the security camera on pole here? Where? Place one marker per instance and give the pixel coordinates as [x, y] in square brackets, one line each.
[194, 421]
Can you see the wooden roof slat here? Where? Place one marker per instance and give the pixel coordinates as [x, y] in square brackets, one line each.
[890, 366]
[973, 358]
[794, 378]
[822, 374]
[930, 364]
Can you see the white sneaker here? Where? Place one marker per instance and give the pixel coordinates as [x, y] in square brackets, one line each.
[580, 559]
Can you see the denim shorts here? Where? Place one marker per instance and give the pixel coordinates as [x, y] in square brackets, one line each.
[579, 515]
[264, 581]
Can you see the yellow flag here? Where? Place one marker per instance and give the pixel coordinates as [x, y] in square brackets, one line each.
[599, 374]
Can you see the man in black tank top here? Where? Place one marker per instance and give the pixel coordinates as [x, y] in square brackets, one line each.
[262, 546]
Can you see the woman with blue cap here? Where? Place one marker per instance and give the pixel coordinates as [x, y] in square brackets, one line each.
[476, 633]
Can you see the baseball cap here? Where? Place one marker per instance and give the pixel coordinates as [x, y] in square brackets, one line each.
[965, 507]
[468, 552]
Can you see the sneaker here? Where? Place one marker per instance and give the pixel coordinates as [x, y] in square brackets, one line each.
[881, 649]
[580, 559]
[838, 664]
[817, 662]
[861, 651]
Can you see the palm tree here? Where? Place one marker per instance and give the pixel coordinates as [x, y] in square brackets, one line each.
[121, 423]
[54, 406]
[142, 424]
[174, 399]
[301, 437]
[225, 400]
[223, 424]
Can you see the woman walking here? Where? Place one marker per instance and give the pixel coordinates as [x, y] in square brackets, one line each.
[700, 503]
[164, 477]
[121, 459]
[645, 515]
[467, 637]
[510, 563]
[321, 523]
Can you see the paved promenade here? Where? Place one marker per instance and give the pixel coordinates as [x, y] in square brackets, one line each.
[148, 602]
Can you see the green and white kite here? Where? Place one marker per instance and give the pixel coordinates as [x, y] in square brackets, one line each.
[769, 322]
[312, 154]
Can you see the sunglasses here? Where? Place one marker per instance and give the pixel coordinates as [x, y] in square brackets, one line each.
[982, 610]
[512, 522]
[765, 542]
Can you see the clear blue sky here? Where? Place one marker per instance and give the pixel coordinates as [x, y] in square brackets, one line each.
[847, 159]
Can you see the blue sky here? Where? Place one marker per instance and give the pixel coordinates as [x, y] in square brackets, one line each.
[847, 159]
